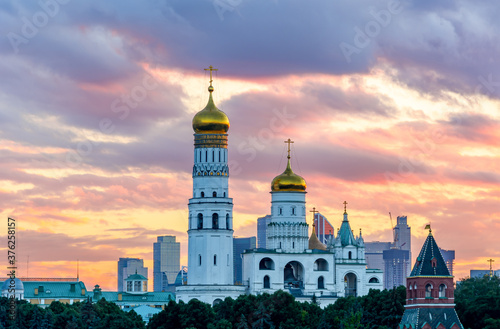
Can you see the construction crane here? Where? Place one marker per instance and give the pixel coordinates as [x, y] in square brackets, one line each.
[394, 234]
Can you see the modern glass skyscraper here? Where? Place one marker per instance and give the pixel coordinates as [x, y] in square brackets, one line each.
[449, 258]
[262, 223]
[166, 262]
[239, 245]
[128, 267]
[396, 267]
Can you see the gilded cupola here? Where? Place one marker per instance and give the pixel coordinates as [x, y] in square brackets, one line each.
[288, 181]
[210, 120]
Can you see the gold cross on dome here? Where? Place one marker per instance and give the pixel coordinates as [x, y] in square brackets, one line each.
[211, 68]
[289, 141]
[314, 211]
[345, 206]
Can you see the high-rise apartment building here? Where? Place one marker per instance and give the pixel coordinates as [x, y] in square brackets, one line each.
[449, 258]
[402, 236]
[166, 262]
[239, 245]
[374, 254]
[128, 267]
[396, 267]
[262, 223]
[392, 257]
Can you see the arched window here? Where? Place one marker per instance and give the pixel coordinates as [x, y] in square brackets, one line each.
[200, 221]
[199, 260]
[219, 156]
[320, 265]
[215, 221]
[267, 282]
[224, 194]
[227, 222]
[350, 255]
[428, 290]
[321, 283]
[202, 194]
[215, 259]
[206, 156]
[280, 210]
[293, 210]
[266, 264]
[213, 156]
[373, 280]
[214, 194]
[442, 291]
[293, 245]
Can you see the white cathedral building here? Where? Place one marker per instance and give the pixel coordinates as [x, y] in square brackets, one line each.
[292, 262]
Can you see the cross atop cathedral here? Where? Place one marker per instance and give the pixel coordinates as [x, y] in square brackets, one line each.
[314, 211]
[491, 266]
[345, 207]
[289, 141]
[211, 68]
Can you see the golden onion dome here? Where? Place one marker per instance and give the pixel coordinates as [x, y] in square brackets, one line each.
[314, 242]
[210, 120]
[288, 181]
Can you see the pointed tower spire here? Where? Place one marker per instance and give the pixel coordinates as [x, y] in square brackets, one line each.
[430, 291]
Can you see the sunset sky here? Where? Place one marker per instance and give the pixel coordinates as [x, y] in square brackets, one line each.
[393, 107]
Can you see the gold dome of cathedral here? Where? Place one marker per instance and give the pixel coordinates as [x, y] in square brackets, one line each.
[288, 181]
[210, 120]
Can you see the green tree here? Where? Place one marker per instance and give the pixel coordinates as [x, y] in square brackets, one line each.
[170, 317]
[478, 300]
[197, 315]
[88, 315]
[383, 307]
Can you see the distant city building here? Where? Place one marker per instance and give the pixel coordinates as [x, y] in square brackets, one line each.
[374, 254]
[381, 255]
[402, 234]
[128, 267]
[131, 300]
[482, 273]
[324, 230]
[43, 293]
[449, 258]
[396, 267]
[239, 245]
[166, 262]
[262, 223]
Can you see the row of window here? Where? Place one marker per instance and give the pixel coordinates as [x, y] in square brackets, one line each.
[198, 156]
[215, 221]
[215, 260]
[293, 211]
[412, 291]
[267, 282]
[267, 263]
[214, 194]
